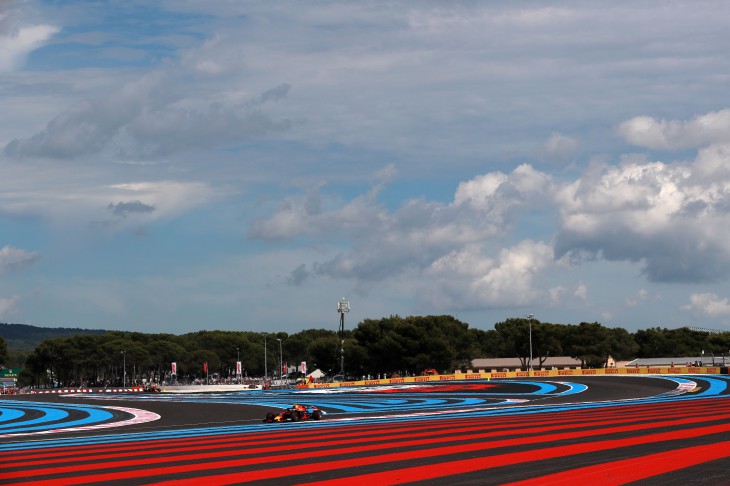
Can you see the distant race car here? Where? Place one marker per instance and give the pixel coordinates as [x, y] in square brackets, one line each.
[295, 413]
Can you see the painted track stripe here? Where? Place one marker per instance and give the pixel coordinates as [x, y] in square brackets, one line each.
[448, 468]
[576, 416]
[48, 414]
[196, 434]
[201, 464]
[510, 429]
[279, 446]
[634, 469]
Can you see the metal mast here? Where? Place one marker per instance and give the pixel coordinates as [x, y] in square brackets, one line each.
[343, 306]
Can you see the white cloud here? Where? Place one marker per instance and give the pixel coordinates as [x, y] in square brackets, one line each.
[708, 304]
[418, 233]
[18, 40]
[166, 198]
[8, 305]
[47, 191]
[449, 244]
[560, 146]
[469, 278]
[559, 294]
[637, 298]
[700, 131]
[15, 258]
[672, 219]
[219, 115]
[149, 117]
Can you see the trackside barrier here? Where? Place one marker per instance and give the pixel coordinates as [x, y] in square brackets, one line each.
[86, 390]
[682, 370]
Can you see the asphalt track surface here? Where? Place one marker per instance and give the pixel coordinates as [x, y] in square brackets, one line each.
[589, 430]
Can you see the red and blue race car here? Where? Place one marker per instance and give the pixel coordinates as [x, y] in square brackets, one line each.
[295, 413]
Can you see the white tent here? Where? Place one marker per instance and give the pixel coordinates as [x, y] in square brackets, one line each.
[316, 374]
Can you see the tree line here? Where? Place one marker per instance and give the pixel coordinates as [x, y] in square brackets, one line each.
[406, 345]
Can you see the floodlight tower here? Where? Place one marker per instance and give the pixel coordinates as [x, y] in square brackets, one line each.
[343, 306]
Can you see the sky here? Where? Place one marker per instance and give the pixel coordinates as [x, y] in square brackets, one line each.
[188, 165]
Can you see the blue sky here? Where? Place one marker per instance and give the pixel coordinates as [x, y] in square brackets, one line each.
[188, 165]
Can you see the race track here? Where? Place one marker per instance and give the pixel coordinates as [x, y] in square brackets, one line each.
[592, 430]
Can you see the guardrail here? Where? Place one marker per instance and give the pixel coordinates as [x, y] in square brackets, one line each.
[678, 370]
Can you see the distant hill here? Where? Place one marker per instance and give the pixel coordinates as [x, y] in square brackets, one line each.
[22, 337]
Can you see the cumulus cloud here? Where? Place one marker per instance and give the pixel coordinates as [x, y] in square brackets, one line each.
[707, 304]
[471, 278]
[436, 239]
[668, 218]
[700, 131]
[671, 220]
[12, 259]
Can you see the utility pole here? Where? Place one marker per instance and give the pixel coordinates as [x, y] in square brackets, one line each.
[124, 369]
[281, 363]
[266, 369]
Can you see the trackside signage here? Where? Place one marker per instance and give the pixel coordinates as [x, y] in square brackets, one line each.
[696, 370]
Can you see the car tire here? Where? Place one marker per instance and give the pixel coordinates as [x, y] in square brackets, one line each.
[316, 415]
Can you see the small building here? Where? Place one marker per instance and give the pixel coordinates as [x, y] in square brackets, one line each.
[488, 365]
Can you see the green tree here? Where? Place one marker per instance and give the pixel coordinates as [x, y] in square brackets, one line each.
[623, 345]
[514, 339]
[4, 356]
[323, 353]
[589, 342]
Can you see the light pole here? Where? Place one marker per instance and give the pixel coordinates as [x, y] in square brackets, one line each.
[124, 369]
[266, 369]
[530, 317]
[238, 360]
[281, 363]
[343, 306]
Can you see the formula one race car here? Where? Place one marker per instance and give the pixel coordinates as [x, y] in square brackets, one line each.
[295, 413]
